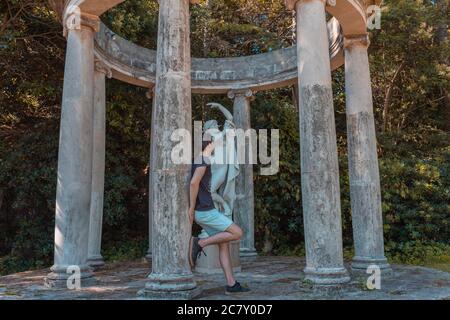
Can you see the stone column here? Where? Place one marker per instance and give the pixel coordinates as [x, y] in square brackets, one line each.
[171, 276]
[244, 206]
[319, 161]
[73, 193]
[95, 258]
[148, 256]
[362, 154]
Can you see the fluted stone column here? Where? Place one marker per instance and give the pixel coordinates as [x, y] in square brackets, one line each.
[148, 256]
[319, 161]
[171, 275]
[73, 193]
[95, 258]
[244, 206]
[365, 190]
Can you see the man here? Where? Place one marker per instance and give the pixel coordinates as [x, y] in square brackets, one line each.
[221, 229]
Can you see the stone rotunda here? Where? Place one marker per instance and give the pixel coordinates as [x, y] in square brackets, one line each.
[95, 53]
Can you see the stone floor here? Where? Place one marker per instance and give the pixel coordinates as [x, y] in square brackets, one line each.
[269, 278]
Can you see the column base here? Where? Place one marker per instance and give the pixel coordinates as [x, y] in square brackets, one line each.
[361, 264]
[170, 287]
[327, 276]
[58, 277]
[248, 252]
[169, 295]
[96, 262]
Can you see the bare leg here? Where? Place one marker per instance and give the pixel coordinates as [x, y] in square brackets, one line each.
[225, 262]
[233, 233]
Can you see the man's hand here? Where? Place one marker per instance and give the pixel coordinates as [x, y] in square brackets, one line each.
[191, 215]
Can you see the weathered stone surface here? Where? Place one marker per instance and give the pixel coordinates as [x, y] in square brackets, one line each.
[169, 181]
[95, 258]
[365, 190]
[244, 210]
[270, 278]
[137, 65]
[148, 256]
[75, 158]
[319, 163]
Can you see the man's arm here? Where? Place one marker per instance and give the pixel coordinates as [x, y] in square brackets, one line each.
[194, 186]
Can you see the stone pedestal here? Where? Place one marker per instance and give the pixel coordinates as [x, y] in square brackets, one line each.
[365, 190]
[244, 206]
[73, 193]
[319, 161]
[171, 276]
[95, 258]
[210, 264]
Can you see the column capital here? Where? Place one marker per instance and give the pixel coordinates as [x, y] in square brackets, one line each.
[356, 40]
[247, 93]
[290, 4]
[75, 20]
[100, 66]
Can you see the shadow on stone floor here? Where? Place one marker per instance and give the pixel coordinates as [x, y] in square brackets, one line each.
[270, 278]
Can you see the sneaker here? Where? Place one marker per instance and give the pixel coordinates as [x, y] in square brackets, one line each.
[237, 288]
[195, 251]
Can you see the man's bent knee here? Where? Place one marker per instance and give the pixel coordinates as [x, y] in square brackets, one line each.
[238, 232]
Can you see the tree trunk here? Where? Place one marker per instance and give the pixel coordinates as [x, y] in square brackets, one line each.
[388, 96]
[442, 27]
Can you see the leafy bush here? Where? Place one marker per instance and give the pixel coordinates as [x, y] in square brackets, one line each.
[419, 253]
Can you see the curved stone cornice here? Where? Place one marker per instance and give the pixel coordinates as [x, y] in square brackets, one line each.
[137, 65]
